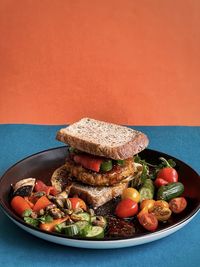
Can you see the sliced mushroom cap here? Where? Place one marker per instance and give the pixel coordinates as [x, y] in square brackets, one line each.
[60, 179]
[24, 187]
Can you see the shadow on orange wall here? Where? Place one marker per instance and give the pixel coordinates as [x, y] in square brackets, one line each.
[130, 62]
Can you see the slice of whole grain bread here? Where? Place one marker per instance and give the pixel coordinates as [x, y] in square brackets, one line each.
[103, 138]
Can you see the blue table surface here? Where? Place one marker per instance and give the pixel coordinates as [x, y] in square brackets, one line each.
[19, 248]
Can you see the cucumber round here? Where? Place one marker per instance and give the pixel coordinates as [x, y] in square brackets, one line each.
[147, 190]
[172, 190]
[71, 230]
[96, 232]
[83, 227]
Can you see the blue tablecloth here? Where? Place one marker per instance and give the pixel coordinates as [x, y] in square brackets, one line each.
[18, 248]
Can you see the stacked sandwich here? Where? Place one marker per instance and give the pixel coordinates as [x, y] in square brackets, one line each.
[100, 163]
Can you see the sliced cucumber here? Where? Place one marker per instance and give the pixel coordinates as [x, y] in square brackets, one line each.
[147, 190]
[172, 190]
[96, 232]
[71, 230]
[84, 227]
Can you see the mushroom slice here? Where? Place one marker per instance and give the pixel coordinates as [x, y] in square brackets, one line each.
[60, 179]
[24, 187]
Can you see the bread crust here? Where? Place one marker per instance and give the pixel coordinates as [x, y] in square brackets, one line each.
[134, 143]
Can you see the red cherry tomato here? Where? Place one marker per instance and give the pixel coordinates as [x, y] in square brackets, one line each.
[159, 182]
[168, 174]
[126, 208]
[148, 221]
[89, 162]
[177, 204]
[77, 203]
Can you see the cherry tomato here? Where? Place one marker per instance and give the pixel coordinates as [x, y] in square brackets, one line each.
[89, 162]
[177, 204]
[161, 203]
[159, 182]
[131, 193]
[77, 203]
[126, 208]
[161, 210]
[148, 221]
[168, 174]
[148, 203]
[143, 211]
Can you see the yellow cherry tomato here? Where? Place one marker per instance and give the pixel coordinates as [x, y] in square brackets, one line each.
[161, 210]
[161, 203]
[131, 193]
[147, 203]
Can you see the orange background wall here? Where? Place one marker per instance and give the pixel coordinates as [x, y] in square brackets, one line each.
[130, 62]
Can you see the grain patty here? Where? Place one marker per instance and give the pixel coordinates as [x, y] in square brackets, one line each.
[117, 174]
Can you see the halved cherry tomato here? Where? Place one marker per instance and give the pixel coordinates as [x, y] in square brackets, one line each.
[89, 162]
[147, 203]
[42, 187]
[148, 221]
[160, 181]
[177, 204]
[161, 210]
[168, 174]
[77, 203]
[131, 193]
[161, 203]
[126, 208]
[143, 211]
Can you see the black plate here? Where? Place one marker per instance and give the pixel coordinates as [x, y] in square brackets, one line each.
[42, 165]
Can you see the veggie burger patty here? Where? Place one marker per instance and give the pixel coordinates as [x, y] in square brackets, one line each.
[112, 177]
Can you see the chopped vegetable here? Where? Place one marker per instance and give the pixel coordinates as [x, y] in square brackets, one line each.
[126, 208]
[19, 205]
[147, 203]
[106, 166]
[71, 230]
[161, 210]
[172, 190]
[83, 228]
[42, 187]
[131, 193]
[89, 162]
[147, 190]
[50, 226]
[120, 162]
[42, 203]
[177, 205]
[77, 203]
[148, 221]
[96, 232]
[160, 181]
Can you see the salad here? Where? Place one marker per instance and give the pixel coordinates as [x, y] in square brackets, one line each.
[151, 199]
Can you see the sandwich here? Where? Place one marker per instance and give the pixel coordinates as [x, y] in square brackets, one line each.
[100, 163]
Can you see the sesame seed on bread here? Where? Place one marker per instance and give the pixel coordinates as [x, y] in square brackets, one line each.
[103, 139]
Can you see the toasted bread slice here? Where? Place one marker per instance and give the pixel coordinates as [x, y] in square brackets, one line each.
[103, 139]
[97, 196]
